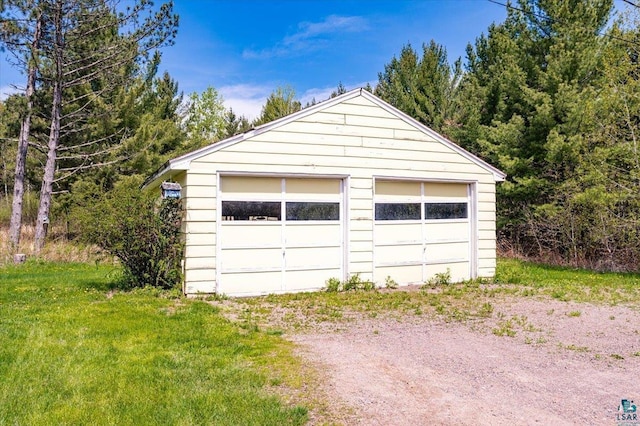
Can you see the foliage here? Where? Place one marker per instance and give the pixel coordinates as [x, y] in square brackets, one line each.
[150, 111]
[550, 97]
[422, 87]
[353, 283]
[440, 278]
[340, 90]
[143, 235]
[234, 124]
[205, 118]
[74, 351]
[280, 103]
[67, 49]
[333, 285]
[390, 283]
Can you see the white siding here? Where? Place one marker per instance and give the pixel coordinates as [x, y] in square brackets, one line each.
[356, 138]
[199, 224]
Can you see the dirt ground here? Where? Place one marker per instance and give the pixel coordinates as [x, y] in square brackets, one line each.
[567, 364]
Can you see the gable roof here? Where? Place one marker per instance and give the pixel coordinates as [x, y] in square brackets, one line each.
[181, 163]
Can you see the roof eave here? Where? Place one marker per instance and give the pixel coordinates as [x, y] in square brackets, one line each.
[165, 172]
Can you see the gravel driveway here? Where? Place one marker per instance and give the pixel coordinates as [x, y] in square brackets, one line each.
[531, 362]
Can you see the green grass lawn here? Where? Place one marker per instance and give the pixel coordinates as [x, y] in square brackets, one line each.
[74, 352]
[570, 284]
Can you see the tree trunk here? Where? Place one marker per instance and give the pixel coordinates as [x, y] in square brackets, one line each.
[44, 207]
[15, 226]
[49, 170]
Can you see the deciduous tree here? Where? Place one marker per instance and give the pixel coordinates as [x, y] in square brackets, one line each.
[280, 103]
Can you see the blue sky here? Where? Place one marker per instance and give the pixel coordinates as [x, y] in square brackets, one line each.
[247, 48]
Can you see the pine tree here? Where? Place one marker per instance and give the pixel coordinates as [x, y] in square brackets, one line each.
[81, 38]
[423, 87]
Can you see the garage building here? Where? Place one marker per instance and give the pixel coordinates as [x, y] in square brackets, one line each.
[347, 186]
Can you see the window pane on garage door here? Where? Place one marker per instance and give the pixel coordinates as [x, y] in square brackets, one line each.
[445, 210]
[397, 211]
[300, 210]
[251, 210]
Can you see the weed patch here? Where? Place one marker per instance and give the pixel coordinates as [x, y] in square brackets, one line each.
[354, 283]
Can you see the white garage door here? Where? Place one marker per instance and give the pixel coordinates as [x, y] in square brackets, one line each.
[279, 234]
[421, 229]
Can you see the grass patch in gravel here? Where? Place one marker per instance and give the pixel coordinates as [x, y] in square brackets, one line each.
[450, 302]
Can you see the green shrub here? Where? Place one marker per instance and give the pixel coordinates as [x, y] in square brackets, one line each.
[333, 285]
[142, 232]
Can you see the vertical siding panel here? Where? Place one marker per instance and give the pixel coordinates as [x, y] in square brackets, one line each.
[200, 218]
[361, 227]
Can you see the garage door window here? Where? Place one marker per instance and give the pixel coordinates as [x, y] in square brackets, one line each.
[300, 210]
[251, 210]
[445, 210]
[397, 211]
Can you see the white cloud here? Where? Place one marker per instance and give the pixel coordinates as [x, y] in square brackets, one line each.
[245, 99]
[6, 91]
[332, 24]
[309, 36]
[319, 94]
[248, 99]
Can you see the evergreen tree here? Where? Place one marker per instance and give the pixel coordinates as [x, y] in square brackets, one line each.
[22, 34]
[79, 41]
[422, 87]
[234, 124]
[153, 115]
[528, 94]
[339, 91]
